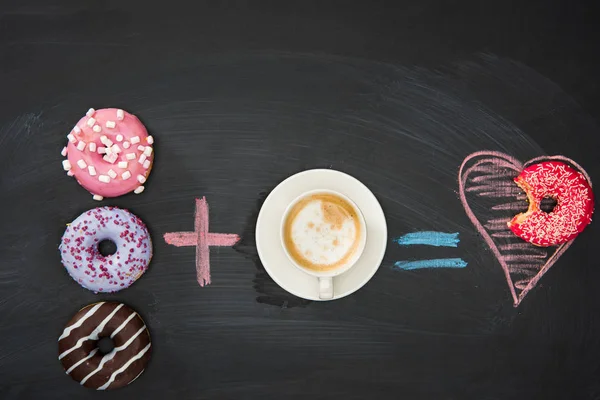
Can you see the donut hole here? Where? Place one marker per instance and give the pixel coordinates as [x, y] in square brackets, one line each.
[107, 247]
[105, 345]
[547, 204]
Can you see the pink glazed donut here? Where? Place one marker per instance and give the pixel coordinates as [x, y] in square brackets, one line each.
[87, 266]
[109, 153]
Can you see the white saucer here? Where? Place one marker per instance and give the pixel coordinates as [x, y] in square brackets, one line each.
[268, 242]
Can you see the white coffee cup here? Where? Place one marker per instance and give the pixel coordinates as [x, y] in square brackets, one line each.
[325, 276]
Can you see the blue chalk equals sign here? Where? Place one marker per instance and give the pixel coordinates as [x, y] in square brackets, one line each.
[429, 238]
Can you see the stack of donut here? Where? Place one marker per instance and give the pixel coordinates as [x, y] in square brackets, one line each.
[110, 154]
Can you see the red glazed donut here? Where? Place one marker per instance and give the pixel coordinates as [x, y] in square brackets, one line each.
[572, 213]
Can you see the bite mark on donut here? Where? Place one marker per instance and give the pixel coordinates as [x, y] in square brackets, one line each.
[532, 207]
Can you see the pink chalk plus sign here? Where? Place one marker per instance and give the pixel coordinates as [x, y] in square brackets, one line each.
[202, 239]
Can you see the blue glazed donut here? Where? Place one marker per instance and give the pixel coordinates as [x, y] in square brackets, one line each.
[98, 273]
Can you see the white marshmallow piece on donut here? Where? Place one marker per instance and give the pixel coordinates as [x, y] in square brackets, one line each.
[97, 128]
[126, 144]
[112, 174]
[130, 156]
[141, 178]
[81, 145]
[150, 139]
[119, 138]
[92, 147]
[126, 175]
[135, 140]
[104, 178]
[142, 158]
[115, 149]
[139, 190]
[92, 170]
[63, 152]
[97, 197]
[77, 129]
[111, 158]
[91, 121]
[120, 115]
[111, 125]
[123, 164]
[106, 141]
[146, 164]
[66, 165]
[101, 150]
[81, 164]
[90, 112]
[71, 138]
[148, 151]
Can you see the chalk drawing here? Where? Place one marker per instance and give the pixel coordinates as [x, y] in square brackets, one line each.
[202, 239]
[487, 176]
[429, 238]
[435, 263]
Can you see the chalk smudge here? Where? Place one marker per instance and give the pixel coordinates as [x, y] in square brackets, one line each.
[202, 239]
[435, 263]
[489, 174]
[429, 238]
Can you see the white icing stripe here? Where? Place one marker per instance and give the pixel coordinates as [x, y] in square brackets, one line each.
[122, 325]
[78, 363]
[94, 334]
[124, 367]
[138, 375]
[76, 325]
[112, 355]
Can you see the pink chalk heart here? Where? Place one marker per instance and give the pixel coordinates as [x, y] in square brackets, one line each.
[491, 198]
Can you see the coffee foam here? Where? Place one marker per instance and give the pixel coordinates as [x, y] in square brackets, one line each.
[322, 232]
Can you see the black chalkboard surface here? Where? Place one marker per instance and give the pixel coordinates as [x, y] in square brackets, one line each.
[241, 95]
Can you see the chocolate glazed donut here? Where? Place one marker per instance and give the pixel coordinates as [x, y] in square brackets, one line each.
[82, 359]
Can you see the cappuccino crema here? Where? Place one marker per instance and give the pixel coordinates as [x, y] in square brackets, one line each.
[322, 232]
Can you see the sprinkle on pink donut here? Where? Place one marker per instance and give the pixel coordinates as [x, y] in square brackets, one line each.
[572, 213]
[107, 151]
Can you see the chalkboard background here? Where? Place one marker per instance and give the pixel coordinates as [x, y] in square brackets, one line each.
[240, 95]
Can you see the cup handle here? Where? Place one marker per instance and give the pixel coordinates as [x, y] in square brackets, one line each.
[325, 288]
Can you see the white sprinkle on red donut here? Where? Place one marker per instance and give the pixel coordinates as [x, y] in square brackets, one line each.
[572, 213]
[87, 266]
[90, 145]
